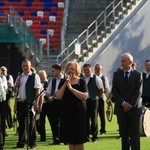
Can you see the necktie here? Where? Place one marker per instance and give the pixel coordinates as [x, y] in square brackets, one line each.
[126, 77]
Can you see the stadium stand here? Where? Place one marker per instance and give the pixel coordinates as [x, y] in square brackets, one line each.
[39, 16]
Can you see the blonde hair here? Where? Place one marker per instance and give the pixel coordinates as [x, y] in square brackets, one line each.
[78, 69]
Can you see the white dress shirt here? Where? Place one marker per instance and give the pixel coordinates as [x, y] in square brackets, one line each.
[23, 81]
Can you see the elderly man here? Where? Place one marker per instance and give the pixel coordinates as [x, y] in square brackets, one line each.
[126, 90]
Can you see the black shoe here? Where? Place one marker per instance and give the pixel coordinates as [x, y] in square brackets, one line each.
[94, 140]
[20, 145]
[118, 137]
[33, 147]
[102, 132]
[87, 139]
[55, 143]
[42, 140]
[65, 143]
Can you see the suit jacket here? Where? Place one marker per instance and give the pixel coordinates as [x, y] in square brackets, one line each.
[130, 93]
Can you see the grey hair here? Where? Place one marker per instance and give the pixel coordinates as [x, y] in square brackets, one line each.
[128, 55]
[42, 71]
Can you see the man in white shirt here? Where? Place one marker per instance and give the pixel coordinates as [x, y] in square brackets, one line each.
[101, 104]
[9, 94]
[3, 88]
[95, 90]
[29, 86]
[56, 104]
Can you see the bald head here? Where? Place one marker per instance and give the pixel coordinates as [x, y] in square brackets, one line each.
[43, 75]
[3, 70]
[98, 69]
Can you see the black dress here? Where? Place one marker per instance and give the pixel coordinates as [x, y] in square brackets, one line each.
[74, 116]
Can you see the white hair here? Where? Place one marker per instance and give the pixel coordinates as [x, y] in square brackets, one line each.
[128, 55]
[42, 71]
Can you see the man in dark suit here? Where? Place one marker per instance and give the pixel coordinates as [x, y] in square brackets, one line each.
[126, 90]
[146, 85]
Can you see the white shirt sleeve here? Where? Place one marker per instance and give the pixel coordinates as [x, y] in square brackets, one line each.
[49, 88]
[42, 90]
[37, 83]
[107, 83]
[1, 86]
[11, 80]
[4, 82]
[99, 82]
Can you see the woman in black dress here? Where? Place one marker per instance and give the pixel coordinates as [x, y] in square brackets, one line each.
[73, 94]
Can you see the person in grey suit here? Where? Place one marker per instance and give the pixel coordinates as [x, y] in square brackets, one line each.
[126, 90]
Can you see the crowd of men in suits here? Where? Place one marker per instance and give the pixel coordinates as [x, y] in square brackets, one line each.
[34, 95]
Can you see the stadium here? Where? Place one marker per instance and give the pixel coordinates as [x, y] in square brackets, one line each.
[49, 32]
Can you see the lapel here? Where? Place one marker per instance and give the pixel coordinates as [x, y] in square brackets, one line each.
[121, 75]
[130, 76]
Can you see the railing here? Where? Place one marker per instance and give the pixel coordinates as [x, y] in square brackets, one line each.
[50, 33]
[25, 35]
[92, 32]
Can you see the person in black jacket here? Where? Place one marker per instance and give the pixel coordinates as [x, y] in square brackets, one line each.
[126, 90]
[146, 85]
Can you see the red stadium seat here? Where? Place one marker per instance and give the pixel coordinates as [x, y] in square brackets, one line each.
[44, 15]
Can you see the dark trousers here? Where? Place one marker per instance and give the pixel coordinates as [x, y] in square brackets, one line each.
[101, 111]
[22, 115]
[46, 111]
[146, 101]
[129, 126]
[92, 114]
[8, 111]
[2, 124]
[56, 106]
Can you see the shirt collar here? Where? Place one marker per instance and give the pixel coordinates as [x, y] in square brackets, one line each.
[60, 77]
[30, 73]
[128, 71]
[147, 74]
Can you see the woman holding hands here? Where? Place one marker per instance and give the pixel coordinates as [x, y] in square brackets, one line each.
[73, 94]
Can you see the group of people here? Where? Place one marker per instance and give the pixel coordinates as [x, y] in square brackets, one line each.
[6, 92]
[72, 100]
